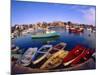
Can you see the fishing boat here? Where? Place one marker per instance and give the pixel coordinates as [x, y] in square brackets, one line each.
[58, 47]
[79, 29]
[76, 30]
[27, 56]
[83, 57]
[41, 53]
[72, 29]
[55, 49]
[45, 35]
[55, 60]
[77, 55]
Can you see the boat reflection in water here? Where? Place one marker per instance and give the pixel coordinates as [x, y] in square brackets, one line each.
[46, 40]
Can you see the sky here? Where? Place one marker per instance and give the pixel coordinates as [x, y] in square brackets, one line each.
[23, 12]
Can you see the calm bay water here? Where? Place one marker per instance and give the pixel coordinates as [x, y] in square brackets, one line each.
[87, 39]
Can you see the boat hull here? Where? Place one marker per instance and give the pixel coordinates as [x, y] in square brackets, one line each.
[26, 58]
[55, 60]
[45, 35]
[50, 52]
[42, 51]
[78, 55]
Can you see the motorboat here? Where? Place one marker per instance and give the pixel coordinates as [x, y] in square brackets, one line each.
[46, 34]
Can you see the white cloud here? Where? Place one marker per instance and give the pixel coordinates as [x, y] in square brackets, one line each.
[89, 15]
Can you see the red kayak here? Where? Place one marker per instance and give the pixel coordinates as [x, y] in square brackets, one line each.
[77, 55]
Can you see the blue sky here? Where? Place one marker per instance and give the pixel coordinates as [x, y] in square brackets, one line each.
[33, 12]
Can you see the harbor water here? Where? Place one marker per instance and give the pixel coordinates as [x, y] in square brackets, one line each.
[87, 38]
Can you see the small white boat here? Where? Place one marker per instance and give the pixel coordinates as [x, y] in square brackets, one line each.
[89, 29]
[27, 56]
[41, 53]
[14, 49]
[12, 35]
[16, 56]
[24, 32]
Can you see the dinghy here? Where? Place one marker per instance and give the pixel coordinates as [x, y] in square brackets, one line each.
[27, 56]
[58, 47]
[55, 60]
[41, 53]
[77, 55]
